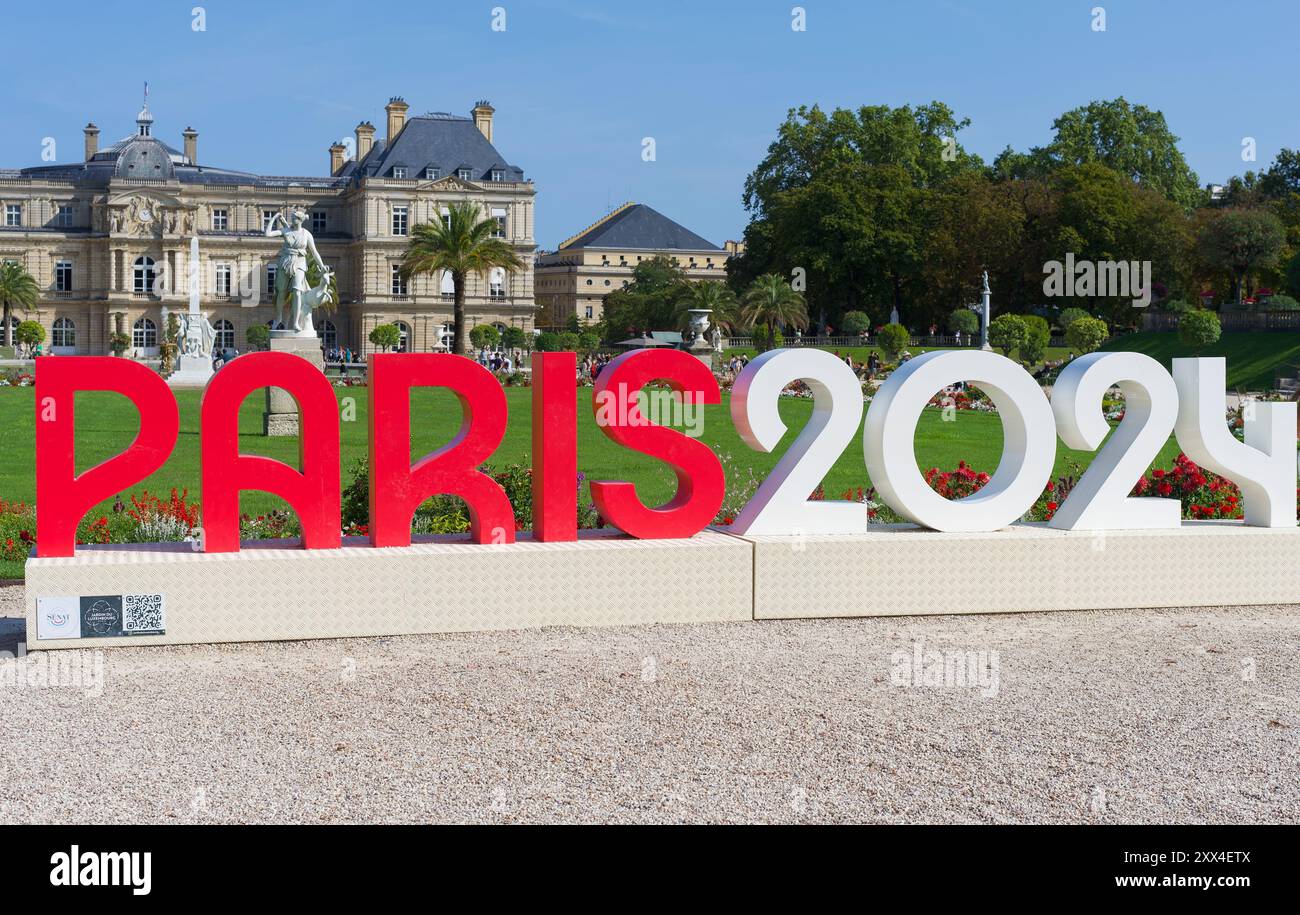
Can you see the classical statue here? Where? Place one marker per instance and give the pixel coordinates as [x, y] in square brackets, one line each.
[196, 335]
[291, 289]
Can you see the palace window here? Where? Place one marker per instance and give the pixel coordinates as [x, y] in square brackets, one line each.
[144, 274]
[144, 334]
[404, 336]
[319, 220]
[13, 214]
[223, 279]
[498, 174]
[63, 276]
[65, 333]
[431, 173]
[399, 282]
[225, 335]
[328, 334]
[399, 172]
[270, 281]
[220, 220]
[447, 286]
[463, 174]
[64, 219]
[589, 311]
[499, 217]
[497, 283]
[446, 218]
[267, 216]
[399, 220]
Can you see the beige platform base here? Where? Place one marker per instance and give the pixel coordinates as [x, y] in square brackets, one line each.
[902, 570]
[268, 594]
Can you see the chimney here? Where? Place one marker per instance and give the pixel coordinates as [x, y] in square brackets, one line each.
[396, 109]
[337, 153]
[483, 119]
[92, 140]
[365, 139]
[191, 145]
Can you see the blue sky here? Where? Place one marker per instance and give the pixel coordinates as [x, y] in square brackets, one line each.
[578, 84]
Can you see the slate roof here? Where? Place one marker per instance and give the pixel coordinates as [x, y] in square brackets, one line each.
[637, 227]
[434, 140]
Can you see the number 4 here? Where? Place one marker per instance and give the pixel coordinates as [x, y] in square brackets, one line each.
[1264, 468]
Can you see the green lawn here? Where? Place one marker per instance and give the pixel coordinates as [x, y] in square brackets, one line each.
[860, 353]
[106, 423]
[1253, 358]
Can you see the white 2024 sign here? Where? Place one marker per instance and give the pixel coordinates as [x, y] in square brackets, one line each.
[1190, 403]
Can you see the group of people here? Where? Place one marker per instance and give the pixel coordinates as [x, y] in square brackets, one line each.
[497, 361]
[593, 364]
[341, 354]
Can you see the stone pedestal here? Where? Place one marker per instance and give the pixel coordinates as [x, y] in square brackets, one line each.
[191, 371]
[281, 416]
[702, 350]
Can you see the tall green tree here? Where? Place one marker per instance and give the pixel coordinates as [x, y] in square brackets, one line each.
[651, 301]
[460, 245]
[1241, 241]
[1131, 139]
[837, 204]
[17, 290]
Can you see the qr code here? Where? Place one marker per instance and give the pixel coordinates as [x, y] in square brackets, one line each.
[142, 613]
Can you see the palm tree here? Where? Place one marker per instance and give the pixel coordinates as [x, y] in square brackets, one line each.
[17, 288]
[461, 243]
[771, 301]
[714, 295]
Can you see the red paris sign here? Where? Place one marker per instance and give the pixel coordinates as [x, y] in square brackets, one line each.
[1189, 404]
[397, 486]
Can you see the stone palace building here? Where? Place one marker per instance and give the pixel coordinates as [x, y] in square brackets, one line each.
[576, 277]
[108, 239]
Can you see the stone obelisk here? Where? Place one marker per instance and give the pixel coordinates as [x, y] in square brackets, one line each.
[194, 361]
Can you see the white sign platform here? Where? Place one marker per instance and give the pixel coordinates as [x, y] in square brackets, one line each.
[903, 570]
[266, 593]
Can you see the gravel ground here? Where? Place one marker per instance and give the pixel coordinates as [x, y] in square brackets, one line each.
[1119, 716]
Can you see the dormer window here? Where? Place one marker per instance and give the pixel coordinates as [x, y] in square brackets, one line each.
[431, 173]
[463, 174]
[498, 174]
[399, 172]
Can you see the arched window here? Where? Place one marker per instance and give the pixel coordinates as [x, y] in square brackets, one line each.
[145, 275]
[445, 336]
[64, 336]
[328, 333]
[144, 334]
[225, 334]
[404, 341]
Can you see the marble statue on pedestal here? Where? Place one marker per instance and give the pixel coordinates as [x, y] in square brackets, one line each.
[294, 298]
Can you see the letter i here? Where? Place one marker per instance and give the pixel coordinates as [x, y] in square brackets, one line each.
[555, 446]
